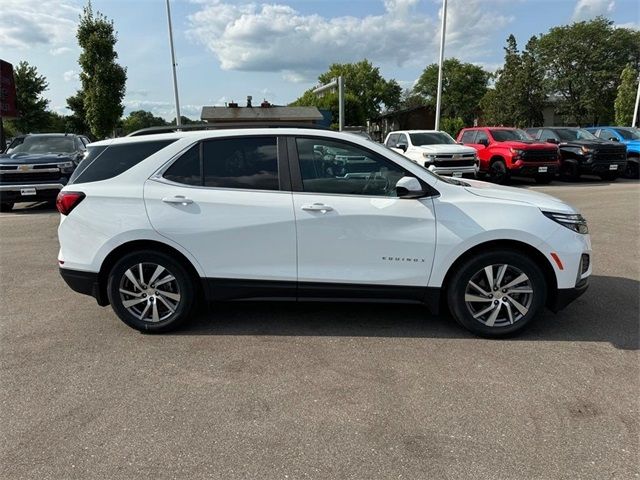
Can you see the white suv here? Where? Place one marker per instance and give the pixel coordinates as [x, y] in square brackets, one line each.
[152, 223]
[436, 151]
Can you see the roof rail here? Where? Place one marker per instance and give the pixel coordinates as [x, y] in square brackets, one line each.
[222, 126]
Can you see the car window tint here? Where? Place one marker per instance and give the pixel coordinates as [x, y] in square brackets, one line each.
[467, 136]
[187, 168]
[243, 162]
[113, 160]
[481, 136]
[342, 168]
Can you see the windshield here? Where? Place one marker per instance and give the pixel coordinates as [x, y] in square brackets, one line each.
[431, 138]
[33, 144]
[628, 133]
[568, 134]
[510, 135]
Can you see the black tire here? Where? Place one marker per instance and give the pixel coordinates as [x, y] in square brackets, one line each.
[183, 285]
[569, 172]
[498, 172]
[609, 176]
[544, 179]
[631, 170]
[6, 206]
[459, 282]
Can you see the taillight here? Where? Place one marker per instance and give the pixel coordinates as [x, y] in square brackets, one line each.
[67, 201]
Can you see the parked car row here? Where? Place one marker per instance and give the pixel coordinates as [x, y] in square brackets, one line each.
[497, 153]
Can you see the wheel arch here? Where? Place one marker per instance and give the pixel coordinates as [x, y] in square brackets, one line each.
[513, 245]
[137, 245]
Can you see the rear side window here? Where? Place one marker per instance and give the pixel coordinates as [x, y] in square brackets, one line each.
[187, 169]
[467, 136]
[102, 163]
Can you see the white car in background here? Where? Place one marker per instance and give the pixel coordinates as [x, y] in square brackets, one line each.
[434, 150]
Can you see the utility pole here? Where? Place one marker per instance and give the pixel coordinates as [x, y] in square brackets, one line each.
[173, 67]
[339, 84]
[441, 64]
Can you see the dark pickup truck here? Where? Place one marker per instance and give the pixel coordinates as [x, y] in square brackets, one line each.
[36, 166]
[581, 152]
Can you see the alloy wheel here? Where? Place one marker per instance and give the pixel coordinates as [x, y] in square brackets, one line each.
[149, 292]
[499, 295]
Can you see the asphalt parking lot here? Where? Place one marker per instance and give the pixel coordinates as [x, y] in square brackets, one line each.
[321, 391]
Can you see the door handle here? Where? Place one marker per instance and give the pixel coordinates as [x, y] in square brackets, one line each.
[181, 199]
[317, 207]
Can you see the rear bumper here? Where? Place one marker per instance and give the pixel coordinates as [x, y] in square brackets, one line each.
[564, 296]
[85, 283]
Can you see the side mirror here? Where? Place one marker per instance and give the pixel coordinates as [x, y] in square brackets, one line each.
[613, 139]
[552, 140]
[409, 187]
[402, 146]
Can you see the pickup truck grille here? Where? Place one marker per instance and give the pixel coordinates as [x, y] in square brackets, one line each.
[35, 176]
[454, 163]
[539, 156]
[610, 154]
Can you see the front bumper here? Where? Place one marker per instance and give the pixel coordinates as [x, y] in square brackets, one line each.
[85, 283]
[534, 169]
[453, 170]
[600, 168]
[15, 192]
[564, 296]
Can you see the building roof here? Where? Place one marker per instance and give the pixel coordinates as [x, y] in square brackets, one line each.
[248, 114]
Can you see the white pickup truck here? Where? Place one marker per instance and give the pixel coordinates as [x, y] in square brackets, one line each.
[434, 150]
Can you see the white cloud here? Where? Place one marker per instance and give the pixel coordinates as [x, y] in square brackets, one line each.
[277, 38]
[162, 109]
[59, 51]
[587, 9]
[71, 75]
[27, 23]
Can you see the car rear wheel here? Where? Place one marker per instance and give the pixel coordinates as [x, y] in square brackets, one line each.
[498, 172]
[497, 293]
[6, 206]
[150, 291]
[569, 171]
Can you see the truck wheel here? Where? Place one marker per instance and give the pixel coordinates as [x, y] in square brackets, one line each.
[498, 172]
[569, 172]
[631, 170]
[497, 293]
[6, 206]
[150, 291]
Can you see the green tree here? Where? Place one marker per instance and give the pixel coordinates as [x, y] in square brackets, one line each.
[103, 80]
[367, 93]
[32, 106]
[518, 95]
[77, 121]
[452, 125]
[583, 63]
[463, 86]
[141, 119]
[626, 98]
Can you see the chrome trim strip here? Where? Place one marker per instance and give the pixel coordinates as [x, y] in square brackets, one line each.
[37, 186]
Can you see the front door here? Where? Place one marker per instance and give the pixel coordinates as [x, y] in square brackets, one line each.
[222, 201]
[352, 229]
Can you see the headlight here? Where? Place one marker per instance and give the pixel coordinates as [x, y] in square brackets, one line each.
[573, 221]
[586, 150]
[429, 157]
[66, 167]
[516, 151]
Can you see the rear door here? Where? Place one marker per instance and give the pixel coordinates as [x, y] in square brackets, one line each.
[227, 202]
[353, 231]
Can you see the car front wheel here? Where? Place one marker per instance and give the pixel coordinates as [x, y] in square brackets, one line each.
[6, 206]
[497, 293]
[150, 291]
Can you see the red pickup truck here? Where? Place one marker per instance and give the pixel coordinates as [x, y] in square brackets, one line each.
[510, 151]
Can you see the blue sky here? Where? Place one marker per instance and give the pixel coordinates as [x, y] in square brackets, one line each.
[228, 49]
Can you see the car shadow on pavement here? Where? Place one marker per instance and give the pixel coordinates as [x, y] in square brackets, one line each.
[607, 312]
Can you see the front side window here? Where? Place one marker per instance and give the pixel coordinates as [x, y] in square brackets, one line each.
[187, 168]
[481, 137]
[392, 141]
[402, 140]
[628, 133]
[333, 167]
[569, 134]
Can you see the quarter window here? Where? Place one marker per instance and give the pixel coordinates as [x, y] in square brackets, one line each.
[342, 168]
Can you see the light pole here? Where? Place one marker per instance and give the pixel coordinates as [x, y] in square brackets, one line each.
[173, 67]
[339, 84]
[635, 110]
[440, 64]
